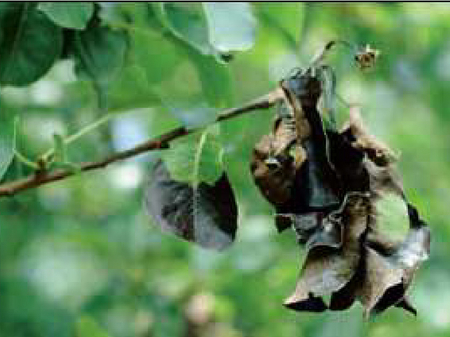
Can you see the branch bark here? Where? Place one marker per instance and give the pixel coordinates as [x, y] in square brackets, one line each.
[40, 178]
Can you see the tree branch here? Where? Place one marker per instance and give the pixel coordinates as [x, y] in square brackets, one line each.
[161, 142]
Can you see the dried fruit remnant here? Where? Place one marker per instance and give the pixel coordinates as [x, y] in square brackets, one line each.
[325, 185]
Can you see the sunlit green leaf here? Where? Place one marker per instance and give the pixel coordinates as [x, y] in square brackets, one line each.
[215, 79]
[87, 327]
[287, 19]
[7, 141]
[232, 26]
[74, 15]
[196, 158]
[60, 148]
[31, 43]
[187, 22]
[99, 54]
[148, 47]
[139, 93]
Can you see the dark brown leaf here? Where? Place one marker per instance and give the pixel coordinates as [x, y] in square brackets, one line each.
[326, 270]
[390, 270]
[204, 214]
[377, 151]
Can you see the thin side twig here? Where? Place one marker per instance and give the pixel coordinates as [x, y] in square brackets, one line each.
[161, 142]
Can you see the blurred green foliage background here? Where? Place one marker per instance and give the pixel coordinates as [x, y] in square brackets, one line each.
[81, 257]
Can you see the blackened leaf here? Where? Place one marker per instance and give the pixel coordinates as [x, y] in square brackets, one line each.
[30, 43]
[327, 270]
[406, 304]
[303, 224]
[328, 234]
[205, 214]
[317, 183]
[316, 179]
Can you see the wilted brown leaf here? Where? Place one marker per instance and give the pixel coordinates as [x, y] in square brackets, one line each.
[204, 214]
[327, 269]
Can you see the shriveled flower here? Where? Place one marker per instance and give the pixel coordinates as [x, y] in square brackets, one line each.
[366, 57]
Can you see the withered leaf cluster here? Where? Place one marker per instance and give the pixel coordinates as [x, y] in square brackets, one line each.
[325, 184]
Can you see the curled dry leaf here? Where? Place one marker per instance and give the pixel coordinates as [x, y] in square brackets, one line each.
[376, 150]
[329, 268]
[330, 199]
[388, 275]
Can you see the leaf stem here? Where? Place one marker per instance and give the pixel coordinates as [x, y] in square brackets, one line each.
[24, 160]
[161, 142]
[78, 134]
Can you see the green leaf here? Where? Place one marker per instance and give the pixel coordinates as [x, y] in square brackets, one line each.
[99, 54]
[148, 46]
[187, 22]
[86, 326]
[7, 142]
[196, 158]
[74, 15]
[215, 79]
[31, 43]
[130, 90]
[232, 26]
[287, 18]
[60, 148]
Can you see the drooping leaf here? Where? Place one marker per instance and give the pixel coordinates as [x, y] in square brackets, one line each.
[328, 269]
[232, 26]
[7, 141]
[377, 151]
[74, 15]
[30, 45]
[393, 272]
[274, 176]
[303, 224]
[317, 181]
[204, 213]
[99, 54]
